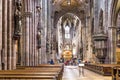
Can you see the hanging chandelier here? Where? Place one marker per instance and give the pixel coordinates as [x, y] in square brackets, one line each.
[68, 2]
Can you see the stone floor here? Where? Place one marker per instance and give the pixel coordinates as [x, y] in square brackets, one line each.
[72, 73]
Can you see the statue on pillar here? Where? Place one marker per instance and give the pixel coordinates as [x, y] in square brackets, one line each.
[18, 19]
[47, 45]
[39, 29]
[39, 39]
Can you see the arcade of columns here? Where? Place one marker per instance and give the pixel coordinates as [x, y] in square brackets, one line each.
[25, 47]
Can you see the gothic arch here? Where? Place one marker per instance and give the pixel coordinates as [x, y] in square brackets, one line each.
[114, 12]
[59, 14]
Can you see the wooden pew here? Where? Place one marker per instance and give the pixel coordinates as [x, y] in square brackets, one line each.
[27, 77]
[44, 66]
[104, 69]
[42, 72]
[116, 72]
[29, 74]
[60, 68]
[32, 73]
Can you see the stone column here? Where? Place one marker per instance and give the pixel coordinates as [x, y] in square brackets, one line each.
[112, 56]
[49, 20]
[10, 34]
[88, 33]
[38, 5]
[27, 56]
[28, 25]
[52, 42]
[5, 24]
[1, 6]
[96, 19]
[39, 56]
[33, 30]
[83, 29]
[23, 37]
[53, 55]
[107, 17]
[31, 54]
[36, 17]
[84, 43]
[14, 60]
[44, 30]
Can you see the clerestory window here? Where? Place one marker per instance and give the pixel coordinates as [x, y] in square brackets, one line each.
[67, 32]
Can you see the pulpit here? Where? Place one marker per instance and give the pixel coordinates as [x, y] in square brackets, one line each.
[100, 40]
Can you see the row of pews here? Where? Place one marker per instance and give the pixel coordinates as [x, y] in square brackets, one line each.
[105, 69]
[116, 72]
[41, 72]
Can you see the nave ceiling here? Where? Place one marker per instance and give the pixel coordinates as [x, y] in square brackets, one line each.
[61, 7]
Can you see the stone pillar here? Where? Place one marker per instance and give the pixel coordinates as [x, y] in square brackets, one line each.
[96, 19]
[27, 56]
[1, 6]
[19, 51]
[10, 34]
[49, 20]
[112, 55]
[14, 60]
[31, 54]
[52, 42]
[28, 26]
[33, 30]
[107, 23]
[53, 36]
[14, 43]
[5, 24]
[36, 17]
[43, 31]
[53, 55]
[88, 32]
[84, 41]
[22, 38]
[106, 15]
[39, 56]
[83, 29]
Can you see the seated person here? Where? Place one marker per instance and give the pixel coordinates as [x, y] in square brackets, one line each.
[51, 61]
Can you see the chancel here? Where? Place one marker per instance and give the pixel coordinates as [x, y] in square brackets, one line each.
[60, 39]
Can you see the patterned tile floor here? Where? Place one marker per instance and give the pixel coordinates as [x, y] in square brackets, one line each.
[72, 73]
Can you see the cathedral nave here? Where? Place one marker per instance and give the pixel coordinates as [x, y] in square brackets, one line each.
[52, 39]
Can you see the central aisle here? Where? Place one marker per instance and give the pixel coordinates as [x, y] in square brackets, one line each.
[72, 73]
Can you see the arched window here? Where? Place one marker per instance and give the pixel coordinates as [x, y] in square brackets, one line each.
[67, 31]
